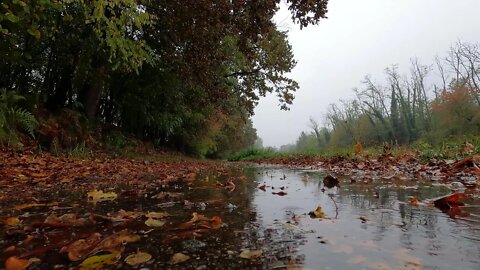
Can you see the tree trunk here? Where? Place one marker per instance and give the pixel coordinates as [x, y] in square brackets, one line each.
[92, 91]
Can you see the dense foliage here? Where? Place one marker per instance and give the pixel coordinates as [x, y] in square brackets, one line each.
[181, 73]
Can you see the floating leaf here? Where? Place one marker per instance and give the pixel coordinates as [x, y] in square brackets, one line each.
[251, 255]
[414, 201]
[100, 196]
[150, 222]
[138, 258]
[318, 213]
[179, 258]
[447, 202]
[99, 261]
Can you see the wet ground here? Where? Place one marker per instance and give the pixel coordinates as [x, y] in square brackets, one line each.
[366, 225]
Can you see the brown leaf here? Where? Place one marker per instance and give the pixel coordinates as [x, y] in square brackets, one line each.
[15, 263]
[80, 249]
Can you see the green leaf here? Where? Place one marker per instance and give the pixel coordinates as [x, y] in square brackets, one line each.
[11, 17]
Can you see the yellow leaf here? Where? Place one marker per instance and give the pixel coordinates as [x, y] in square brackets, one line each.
[179, 258]
[100, 196]
[99, 261]
[150, 222]
[138, 258]
[318, 213]
[157, 214]
[254, 254]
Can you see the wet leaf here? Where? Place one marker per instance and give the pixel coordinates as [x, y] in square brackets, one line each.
[30, 205]
[251, 255]
[414, 201]
[358, 148]
[158, 215]
[113, 242]
[80, 249]
[330, 181]
[150, 222]
[15, 263]
[99, 262]
[138, 258]
[179, 258]
[66, 220]
[216, 222]
[318, 213]
[447, 202]
[12, 221]
[95, 196]
[280, 193]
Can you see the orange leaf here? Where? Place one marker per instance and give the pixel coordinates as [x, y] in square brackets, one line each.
[14, 263]
[358, 148]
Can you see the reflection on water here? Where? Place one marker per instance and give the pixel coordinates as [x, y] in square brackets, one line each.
[367, 226]
[392, 235]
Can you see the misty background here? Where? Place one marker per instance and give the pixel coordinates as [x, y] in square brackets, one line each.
[360, 38]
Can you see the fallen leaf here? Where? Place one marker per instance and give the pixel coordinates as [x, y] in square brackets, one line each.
[138, 258]
[251, 255]
[80, 249]
[447, 202]
[179, 258]
[150, 222]
[99, 262]
[414, 201]
[358, 148]
[113, 242]
[30, 205]
[318, 213]
[15, 263]
[95, 196]
[216, 222]
[157, 215]
[197, 217]
[330, 181]
[12, 221]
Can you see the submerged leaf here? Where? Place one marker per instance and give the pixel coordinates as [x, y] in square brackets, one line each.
[138, 258]
[251, 255]
[318, 213]
[179, 258]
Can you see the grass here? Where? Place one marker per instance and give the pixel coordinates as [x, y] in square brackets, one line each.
[451, 148]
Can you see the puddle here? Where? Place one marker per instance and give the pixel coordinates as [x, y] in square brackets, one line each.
[366, 226]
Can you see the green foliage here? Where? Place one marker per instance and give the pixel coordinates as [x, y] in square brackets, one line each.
[14, 119]
[80, 151]
[252, 154]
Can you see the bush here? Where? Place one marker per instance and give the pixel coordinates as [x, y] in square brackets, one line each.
[252, 154]
[14, 119]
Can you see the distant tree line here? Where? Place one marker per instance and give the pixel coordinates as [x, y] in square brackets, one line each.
[431, 103]
[186, 74]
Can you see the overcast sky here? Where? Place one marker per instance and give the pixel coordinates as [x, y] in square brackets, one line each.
[360, 38]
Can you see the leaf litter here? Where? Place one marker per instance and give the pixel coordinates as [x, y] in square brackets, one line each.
[96, 227]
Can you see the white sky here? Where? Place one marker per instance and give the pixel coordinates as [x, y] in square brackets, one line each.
[360, 38]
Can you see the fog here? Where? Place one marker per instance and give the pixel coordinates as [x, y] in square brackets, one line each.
[360, 38]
